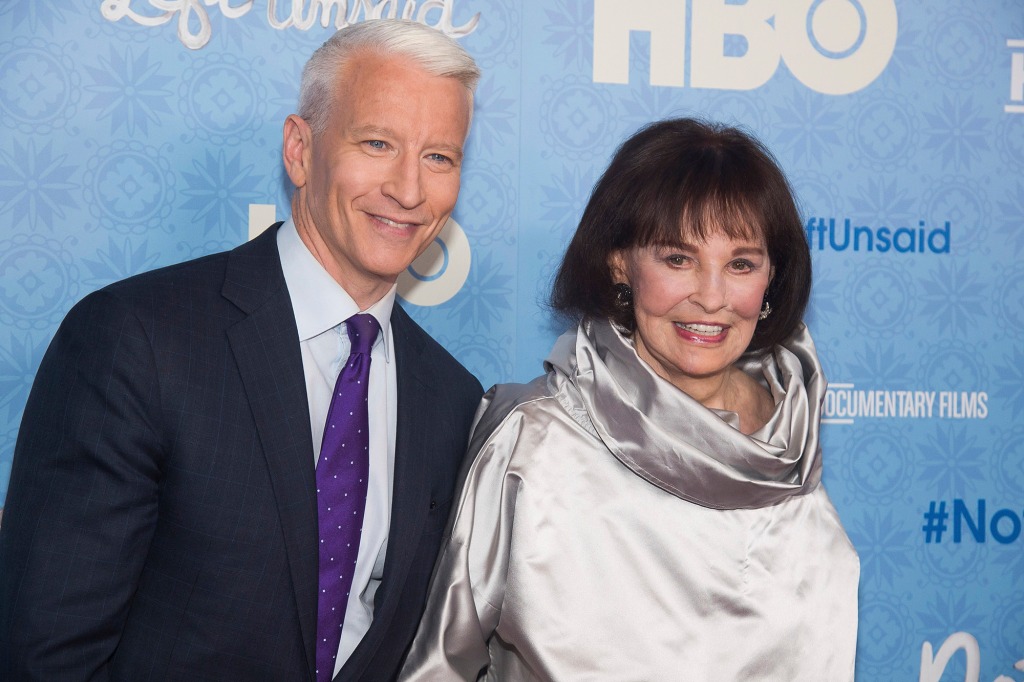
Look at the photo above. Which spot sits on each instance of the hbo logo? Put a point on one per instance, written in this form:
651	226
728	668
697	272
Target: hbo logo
832	46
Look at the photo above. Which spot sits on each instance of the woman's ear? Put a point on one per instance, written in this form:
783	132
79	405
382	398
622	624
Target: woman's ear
617	266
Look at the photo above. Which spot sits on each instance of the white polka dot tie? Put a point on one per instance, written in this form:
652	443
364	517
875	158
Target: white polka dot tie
341	490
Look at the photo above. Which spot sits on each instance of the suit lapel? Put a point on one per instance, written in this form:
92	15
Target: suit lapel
410	493
266	348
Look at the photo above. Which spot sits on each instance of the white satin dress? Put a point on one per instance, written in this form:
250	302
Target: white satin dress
612	528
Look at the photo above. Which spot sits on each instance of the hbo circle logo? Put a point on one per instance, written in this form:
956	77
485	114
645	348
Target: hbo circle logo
440	271
836	46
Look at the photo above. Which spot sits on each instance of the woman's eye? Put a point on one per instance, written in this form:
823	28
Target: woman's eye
742	265
675	260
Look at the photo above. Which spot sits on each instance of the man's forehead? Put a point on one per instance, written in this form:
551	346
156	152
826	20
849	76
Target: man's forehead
378	96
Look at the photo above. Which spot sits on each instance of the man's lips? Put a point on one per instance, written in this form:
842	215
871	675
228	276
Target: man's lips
396	223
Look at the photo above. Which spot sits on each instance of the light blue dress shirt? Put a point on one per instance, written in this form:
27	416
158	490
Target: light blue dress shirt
321	306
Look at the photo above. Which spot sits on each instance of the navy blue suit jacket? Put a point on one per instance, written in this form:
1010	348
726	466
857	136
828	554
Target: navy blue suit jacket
161	518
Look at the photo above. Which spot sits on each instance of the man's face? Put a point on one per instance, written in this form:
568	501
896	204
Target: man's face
378	184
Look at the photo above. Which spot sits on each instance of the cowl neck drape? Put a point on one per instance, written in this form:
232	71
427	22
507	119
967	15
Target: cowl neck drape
688	450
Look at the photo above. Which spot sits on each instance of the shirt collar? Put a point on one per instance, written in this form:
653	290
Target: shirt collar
319	302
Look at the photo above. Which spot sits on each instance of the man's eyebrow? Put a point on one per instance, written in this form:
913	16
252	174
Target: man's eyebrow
372	131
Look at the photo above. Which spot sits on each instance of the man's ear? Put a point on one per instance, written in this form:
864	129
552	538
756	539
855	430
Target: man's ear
297	149
617	266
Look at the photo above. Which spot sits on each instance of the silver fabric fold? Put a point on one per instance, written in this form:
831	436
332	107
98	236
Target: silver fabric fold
611	528
694	453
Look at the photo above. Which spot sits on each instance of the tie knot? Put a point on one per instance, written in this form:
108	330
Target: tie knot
362	332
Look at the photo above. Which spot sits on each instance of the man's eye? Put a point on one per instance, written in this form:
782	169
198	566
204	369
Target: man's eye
376	144
440	158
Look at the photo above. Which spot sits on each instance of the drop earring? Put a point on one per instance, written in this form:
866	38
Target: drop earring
623	295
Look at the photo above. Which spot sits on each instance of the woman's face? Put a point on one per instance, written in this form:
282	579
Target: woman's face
696	305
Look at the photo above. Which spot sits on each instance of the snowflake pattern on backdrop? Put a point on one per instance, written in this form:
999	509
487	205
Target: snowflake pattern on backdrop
36	185
130	91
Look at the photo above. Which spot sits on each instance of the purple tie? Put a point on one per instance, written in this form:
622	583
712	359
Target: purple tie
341	478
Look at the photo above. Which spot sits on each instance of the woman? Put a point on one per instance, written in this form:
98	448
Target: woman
650	509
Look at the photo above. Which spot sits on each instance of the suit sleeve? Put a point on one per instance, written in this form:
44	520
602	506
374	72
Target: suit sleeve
468	586
82	503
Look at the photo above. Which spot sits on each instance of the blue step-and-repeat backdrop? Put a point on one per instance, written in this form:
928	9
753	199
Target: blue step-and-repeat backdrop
138	133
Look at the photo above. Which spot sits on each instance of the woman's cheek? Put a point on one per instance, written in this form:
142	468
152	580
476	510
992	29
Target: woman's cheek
749	301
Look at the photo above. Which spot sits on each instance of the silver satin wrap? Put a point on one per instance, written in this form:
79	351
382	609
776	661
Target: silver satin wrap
612	528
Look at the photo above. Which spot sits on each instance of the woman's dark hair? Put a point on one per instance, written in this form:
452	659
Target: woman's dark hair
687	179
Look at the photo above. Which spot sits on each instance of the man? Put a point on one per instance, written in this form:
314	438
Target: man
162	517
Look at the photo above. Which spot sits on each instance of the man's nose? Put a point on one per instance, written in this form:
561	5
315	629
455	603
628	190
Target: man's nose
405	183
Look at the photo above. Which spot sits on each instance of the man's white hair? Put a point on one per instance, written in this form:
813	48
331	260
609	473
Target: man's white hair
432	50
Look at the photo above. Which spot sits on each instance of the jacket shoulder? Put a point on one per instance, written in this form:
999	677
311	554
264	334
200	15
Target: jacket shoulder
509	397
252	269
258	255
506	403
